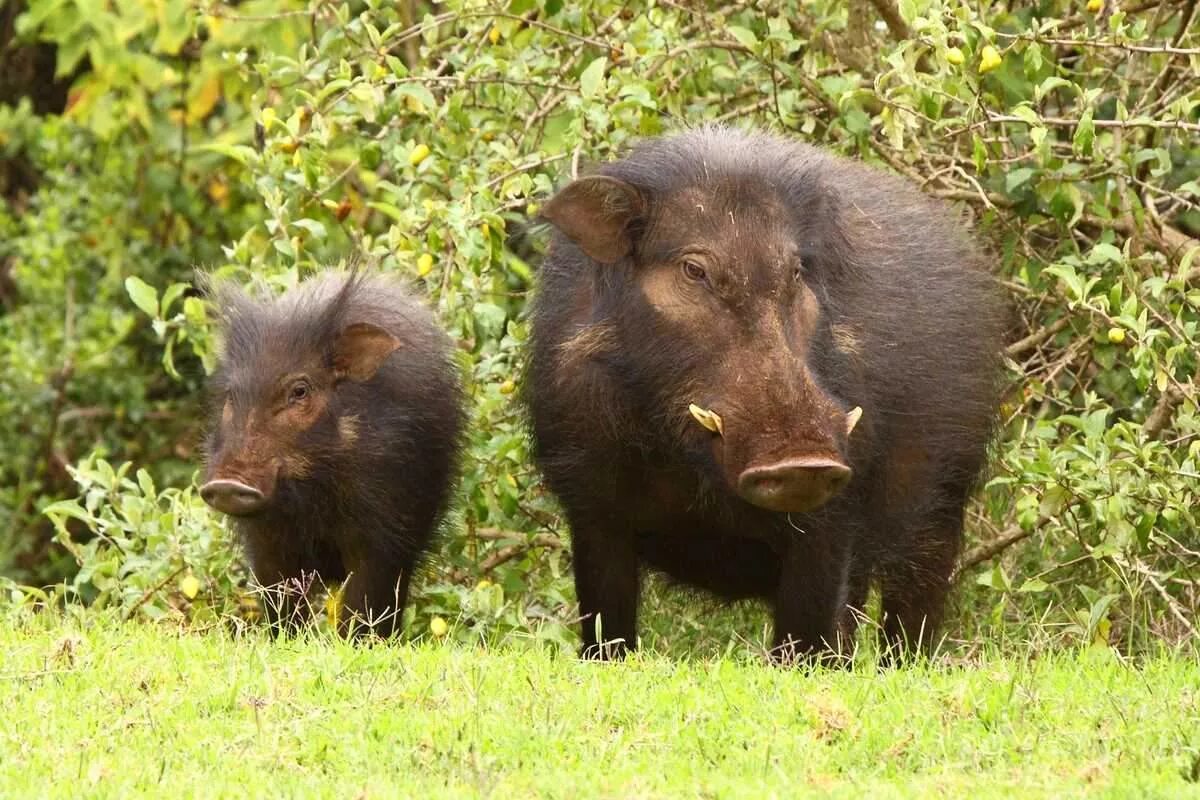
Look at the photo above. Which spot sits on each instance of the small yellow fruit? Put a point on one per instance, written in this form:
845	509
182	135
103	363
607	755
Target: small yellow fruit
438	627
508	387
989	59
268	118
418	154
190	586
218	191
486	230
494	35
424	265
484	583
532	209
1094	6
1116	335
954	56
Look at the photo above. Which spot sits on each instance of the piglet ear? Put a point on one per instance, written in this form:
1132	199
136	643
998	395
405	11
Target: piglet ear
595	213
360	350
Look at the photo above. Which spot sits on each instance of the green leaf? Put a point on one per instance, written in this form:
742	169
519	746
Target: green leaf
1017	178
312	226
745	36
1085	134
174	25
1026	113
171	294
590	80
1105	253
143	295
238	152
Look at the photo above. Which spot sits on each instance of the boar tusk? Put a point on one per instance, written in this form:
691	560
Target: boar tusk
709	419
852	419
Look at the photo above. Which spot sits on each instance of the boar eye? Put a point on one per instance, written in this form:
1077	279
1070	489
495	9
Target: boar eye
693	271
298	392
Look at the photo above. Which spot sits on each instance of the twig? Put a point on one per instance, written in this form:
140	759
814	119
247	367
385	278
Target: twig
891	15
1172	603
1101	43
337	178
1036	338
509	552
494	182
1163	410
153	590
505	554
986	552
1060	122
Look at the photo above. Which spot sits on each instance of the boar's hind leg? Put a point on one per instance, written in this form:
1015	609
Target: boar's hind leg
606	582
914	587
373	598
810	606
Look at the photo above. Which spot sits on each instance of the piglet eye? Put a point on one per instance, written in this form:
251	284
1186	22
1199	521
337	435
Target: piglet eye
298	392
693	271
797	273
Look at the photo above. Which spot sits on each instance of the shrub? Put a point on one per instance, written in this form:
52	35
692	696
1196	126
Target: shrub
424	138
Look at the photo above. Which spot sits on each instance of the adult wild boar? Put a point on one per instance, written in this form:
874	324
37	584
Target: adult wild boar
336	415
766	372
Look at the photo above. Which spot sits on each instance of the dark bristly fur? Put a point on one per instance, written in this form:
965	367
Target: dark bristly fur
358	473
826	285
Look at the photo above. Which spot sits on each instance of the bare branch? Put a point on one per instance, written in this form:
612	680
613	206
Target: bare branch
1164	410
891	15
1036	338
987	552
1102	43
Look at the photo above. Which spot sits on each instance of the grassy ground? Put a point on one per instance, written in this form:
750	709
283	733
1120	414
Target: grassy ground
96	708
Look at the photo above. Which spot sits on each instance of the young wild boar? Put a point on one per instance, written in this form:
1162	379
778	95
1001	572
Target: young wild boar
766	372
333	446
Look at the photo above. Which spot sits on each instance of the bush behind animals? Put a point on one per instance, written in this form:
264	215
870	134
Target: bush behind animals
262	143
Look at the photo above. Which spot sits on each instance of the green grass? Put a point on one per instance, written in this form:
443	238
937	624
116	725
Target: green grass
97	708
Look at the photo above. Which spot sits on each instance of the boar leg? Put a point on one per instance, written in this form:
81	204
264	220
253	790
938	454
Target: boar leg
810	605
287	580
373	598
914	589
606	582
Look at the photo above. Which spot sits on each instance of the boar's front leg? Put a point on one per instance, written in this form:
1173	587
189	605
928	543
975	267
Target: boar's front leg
287	580
606	583
374	596
810	605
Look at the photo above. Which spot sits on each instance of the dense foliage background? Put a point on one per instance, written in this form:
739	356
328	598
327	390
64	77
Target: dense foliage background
140	140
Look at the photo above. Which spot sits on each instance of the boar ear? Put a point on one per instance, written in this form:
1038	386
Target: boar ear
360	349
595	213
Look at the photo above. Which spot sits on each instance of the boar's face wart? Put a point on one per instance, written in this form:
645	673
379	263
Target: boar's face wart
722	308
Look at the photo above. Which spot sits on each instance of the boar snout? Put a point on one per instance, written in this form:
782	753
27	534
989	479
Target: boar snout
793	484
233	497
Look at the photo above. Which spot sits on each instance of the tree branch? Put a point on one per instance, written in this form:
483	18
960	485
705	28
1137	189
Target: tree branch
891	15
